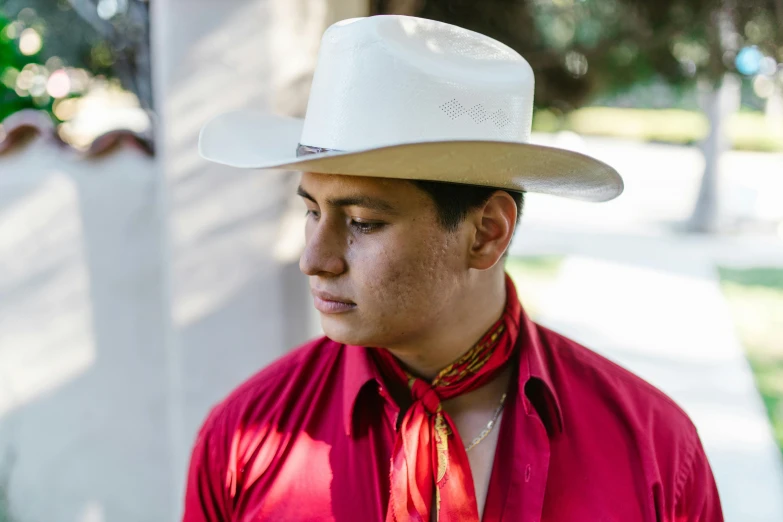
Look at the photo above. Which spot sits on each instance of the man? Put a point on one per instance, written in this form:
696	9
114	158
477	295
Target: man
433	396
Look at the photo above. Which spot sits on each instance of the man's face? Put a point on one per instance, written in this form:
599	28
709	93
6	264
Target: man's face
382	269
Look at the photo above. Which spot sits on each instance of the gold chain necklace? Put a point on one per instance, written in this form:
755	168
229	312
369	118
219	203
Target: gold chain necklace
490	425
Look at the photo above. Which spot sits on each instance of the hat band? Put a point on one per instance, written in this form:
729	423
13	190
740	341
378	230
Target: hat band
306	150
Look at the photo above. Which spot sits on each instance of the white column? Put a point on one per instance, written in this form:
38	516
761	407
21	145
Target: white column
236	299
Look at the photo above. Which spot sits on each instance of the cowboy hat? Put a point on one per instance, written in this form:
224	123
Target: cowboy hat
409	98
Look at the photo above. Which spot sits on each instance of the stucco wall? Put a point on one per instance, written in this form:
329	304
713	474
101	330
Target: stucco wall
135	292
82	355
237	297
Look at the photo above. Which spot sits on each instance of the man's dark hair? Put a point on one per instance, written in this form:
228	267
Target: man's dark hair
453	201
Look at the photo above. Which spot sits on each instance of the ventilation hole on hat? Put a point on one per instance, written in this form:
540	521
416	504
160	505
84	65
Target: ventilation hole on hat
499	118
453	109
478	113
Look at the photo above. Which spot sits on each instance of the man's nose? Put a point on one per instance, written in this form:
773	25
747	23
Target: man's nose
323	253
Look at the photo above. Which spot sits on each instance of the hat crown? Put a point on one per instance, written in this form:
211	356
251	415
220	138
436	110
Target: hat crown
394	79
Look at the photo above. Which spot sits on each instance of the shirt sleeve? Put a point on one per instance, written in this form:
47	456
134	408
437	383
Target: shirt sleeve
698	499
206	495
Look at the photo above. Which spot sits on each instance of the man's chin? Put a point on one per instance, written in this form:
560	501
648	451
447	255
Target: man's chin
344	332
343	338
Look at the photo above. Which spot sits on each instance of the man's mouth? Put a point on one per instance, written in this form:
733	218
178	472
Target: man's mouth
327	303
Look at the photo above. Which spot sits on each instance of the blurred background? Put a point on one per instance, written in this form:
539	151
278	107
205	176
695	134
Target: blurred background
139	284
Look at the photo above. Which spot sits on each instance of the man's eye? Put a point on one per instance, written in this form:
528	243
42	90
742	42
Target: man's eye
364	227
312	213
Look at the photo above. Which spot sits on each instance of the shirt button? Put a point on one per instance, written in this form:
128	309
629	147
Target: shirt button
527	473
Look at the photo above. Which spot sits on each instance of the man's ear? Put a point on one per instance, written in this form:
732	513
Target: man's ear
494	228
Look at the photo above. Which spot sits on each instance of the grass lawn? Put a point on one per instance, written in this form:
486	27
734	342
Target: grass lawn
746	130
533	277
756	299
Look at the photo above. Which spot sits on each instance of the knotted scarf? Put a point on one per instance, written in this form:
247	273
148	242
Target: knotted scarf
429	462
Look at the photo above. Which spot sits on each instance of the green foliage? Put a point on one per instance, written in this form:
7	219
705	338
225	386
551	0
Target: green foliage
12	63
580	49
68	35
82	36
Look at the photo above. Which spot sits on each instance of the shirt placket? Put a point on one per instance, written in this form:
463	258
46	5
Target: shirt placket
519	473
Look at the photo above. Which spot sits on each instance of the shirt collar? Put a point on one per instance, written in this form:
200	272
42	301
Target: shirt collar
534	367
359	370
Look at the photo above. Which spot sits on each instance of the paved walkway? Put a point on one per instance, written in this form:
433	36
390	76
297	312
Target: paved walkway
653	304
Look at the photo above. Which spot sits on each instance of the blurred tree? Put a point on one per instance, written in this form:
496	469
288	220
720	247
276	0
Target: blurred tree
122	46
105	37
580	49
13	63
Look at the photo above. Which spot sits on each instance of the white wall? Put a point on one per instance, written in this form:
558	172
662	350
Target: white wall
82	355
237	297
137	292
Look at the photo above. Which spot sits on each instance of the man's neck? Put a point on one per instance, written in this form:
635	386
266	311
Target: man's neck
465	323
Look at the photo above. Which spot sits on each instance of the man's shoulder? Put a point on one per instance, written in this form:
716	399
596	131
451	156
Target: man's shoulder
269	390
607	384
610	414
319	352
612	407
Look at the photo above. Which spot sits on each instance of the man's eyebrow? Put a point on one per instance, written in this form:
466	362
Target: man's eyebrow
302	192
352	201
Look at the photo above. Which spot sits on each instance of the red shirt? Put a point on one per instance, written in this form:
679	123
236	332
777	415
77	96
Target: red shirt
310	438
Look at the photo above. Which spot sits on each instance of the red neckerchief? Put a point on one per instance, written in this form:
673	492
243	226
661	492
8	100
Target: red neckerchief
429	460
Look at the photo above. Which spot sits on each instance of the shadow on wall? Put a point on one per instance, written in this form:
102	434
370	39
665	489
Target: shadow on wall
116	338
86	374
81	350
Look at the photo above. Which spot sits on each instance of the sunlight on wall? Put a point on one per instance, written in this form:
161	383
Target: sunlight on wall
45	312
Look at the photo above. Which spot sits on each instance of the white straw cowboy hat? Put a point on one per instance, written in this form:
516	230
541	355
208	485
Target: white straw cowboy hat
409	98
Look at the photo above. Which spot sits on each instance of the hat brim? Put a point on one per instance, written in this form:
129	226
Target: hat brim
257	140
